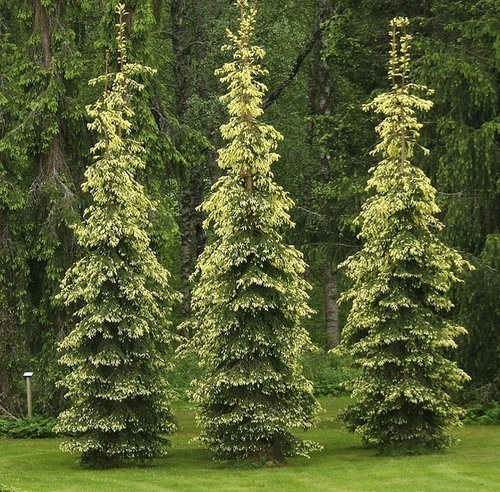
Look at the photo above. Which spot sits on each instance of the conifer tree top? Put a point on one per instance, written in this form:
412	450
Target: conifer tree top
107	110
400	129
252	143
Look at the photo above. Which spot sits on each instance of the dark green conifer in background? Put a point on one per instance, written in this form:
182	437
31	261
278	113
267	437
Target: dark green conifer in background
14	271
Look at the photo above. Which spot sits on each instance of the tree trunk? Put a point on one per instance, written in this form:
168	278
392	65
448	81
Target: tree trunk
53	174
186	43
42	21
181	86
330	291
186	252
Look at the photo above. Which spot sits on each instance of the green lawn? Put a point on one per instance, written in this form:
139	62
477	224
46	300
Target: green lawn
474	464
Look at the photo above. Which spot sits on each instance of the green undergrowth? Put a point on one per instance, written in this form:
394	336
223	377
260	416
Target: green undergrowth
343	465
483	413
27	428
326	371
185	370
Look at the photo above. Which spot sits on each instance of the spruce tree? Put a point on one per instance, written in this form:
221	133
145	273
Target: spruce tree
250	297
397	329
120	402
15	306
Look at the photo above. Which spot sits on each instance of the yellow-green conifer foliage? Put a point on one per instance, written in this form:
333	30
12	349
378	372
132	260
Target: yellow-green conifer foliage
251	297
120	401
397	330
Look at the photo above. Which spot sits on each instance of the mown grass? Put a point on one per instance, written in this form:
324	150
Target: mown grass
343	465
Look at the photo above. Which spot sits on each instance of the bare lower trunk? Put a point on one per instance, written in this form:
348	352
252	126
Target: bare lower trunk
200	236
186	19
320	100
181	85
186	253
330	290
193	236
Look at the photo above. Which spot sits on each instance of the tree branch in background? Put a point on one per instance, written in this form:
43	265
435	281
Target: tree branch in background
276	93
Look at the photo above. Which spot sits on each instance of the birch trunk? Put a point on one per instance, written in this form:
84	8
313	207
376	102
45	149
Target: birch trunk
331	294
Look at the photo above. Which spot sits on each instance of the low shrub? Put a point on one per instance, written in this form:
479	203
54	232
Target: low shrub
327	372
186	369
27	428
485	414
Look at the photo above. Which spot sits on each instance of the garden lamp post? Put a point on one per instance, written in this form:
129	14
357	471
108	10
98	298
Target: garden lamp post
27	376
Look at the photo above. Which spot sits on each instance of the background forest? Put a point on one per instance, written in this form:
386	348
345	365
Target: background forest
326	58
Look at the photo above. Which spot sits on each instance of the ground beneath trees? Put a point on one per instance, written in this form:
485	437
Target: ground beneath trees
472	465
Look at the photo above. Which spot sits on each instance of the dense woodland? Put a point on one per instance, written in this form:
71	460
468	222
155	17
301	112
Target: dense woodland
324	60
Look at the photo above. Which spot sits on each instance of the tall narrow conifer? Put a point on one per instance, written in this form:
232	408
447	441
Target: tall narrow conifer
251	297
120	402
397	330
